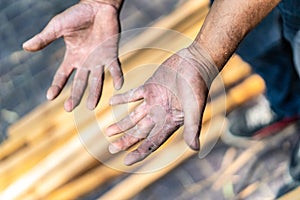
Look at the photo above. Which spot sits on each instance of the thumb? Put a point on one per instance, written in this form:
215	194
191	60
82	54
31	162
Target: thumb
44	38
193	106
192	127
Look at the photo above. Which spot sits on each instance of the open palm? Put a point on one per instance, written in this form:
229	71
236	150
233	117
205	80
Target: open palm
90	31
174	96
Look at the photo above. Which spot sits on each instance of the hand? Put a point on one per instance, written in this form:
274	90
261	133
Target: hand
90	31
174	96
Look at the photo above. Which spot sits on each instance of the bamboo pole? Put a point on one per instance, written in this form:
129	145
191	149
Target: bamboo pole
41	148
90	183
250	88
20	142
71	158
37	126
23	161
44	128
190	14
77	147
292	195
46	166
174	21
84	184
250	154
34	153
72	141
31	128
136	182
123	190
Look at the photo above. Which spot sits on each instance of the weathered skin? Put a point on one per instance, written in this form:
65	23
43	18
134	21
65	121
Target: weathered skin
227	23
85	28
173	96
185	89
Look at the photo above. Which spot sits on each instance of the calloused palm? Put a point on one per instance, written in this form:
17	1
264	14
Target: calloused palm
90	31
174	96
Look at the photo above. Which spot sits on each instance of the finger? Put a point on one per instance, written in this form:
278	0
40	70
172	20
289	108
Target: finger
134	135
192	114
59	80
116	73
50	33
155	139
192	126
130	96
129	121
78	88
95	87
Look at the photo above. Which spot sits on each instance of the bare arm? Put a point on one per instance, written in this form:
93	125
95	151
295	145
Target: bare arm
227	24
115	3
176	93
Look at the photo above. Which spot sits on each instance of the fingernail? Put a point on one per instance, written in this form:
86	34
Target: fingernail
50	94
128	161
68	106
113	149
195	145
111	102
90	106
131	158
109	132
119	84
26	45
53	92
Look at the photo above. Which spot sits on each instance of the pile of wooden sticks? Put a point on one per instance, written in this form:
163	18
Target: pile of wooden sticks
51	154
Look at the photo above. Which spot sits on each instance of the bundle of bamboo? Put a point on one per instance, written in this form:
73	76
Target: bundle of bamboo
45	156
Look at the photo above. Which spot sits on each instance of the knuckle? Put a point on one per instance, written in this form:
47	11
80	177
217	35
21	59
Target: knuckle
56	27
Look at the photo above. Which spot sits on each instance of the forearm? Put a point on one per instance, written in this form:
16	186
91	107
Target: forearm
227	24
115	3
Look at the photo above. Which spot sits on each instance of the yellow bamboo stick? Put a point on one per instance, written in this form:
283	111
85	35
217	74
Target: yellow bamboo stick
39	126
132	62
91	183
292	195
43	127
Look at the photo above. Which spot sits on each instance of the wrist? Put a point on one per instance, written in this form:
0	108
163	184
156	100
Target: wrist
205	64
115	3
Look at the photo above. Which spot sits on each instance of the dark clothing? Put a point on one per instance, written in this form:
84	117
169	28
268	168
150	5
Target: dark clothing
273	51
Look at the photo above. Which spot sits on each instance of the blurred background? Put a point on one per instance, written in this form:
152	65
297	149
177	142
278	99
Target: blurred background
41	156
25	77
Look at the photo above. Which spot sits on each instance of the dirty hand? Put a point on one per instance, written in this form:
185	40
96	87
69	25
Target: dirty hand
90	30
174	96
